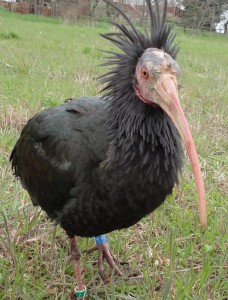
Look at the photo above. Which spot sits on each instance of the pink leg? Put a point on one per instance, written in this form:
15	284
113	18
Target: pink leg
75	256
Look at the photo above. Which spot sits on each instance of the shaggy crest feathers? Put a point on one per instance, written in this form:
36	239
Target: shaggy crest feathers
133	43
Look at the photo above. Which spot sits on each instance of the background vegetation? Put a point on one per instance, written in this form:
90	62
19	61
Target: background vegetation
43	62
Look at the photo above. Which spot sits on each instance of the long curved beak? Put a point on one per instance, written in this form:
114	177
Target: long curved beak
166	87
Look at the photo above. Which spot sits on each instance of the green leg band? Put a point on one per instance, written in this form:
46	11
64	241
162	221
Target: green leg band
81	294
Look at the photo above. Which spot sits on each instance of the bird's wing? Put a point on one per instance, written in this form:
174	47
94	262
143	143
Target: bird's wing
57	146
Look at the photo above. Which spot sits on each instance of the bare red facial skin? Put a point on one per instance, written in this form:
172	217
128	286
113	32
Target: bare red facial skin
137	92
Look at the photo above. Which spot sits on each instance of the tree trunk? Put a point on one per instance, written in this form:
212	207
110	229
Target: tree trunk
54	8
212	18
226	28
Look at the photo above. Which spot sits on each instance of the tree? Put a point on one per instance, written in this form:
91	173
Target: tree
202	14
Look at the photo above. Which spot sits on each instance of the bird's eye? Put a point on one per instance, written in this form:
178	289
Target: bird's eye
145	73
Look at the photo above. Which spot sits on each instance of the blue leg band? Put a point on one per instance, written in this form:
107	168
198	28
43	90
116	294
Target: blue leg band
100	239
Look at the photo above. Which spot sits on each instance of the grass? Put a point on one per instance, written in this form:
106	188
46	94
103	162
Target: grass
42	63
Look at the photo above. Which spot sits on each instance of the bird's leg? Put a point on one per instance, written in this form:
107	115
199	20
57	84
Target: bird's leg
104	251
81	291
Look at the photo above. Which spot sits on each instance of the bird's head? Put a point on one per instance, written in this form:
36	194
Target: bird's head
155	84
156	73
146	68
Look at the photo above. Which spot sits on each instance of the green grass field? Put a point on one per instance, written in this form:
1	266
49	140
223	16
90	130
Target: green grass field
44	61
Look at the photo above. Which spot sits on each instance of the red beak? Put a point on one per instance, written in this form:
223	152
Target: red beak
166	87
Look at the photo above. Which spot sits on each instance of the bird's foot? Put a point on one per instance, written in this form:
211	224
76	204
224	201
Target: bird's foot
104	251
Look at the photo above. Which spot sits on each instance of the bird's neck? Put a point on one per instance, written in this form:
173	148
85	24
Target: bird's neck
143	143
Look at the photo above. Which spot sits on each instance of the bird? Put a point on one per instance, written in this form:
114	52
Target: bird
97	164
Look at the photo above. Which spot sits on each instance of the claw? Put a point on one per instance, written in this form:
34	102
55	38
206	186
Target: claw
105	252
111	260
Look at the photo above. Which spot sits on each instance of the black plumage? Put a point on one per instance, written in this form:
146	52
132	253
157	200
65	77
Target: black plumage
94	176
97	164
